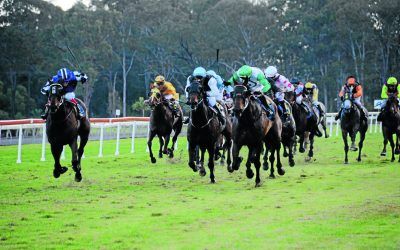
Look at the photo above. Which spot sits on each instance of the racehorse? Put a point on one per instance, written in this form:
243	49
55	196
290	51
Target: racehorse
351	123
250	128
63	127
204	130
306	124
162	122
289	138
391	125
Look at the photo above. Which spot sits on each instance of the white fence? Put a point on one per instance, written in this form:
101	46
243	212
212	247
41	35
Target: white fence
35	133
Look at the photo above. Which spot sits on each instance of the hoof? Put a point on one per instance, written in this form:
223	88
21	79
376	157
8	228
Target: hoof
160	154
249	173
392	160
326	136
202	172
78	177
153	160
258	184
212	182
193	167
353	148
308	159
63	170
230	169
302	150
292	163
56	173
346	162
359	159
281	171
265	166
272	176
285	154
170	153
383	154
217	156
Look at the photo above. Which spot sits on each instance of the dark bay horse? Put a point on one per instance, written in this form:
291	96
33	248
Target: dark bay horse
204	130
351	123
250	128
162	122
306	124
391	126
63	128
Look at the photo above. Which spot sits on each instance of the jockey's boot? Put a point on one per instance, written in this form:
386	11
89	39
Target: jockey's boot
221	116
81	112
175	109
337	117
363	114
186	120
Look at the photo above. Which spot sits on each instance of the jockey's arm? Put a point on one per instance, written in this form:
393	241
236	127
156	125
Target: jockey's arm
342	91
384	94
214	92
266	85
359	92
315	93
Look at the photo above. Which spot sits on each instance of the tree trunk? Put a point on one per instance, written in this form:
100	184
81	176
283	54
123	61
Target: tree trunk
124	83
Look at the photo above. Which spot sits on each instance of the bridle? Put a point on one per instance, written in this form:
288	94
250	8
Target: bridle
195	88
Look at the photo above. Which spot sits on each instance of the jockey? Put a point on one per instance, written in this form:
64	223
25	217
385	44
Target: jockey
351	81
212	92
311	90
220	83
392	87
168	91
255	80
283	85
68	79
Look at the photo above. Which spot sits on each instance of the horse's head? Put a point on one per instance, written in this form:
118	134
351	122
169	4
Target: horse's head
348	105
240	100
155	97
55	97
195	91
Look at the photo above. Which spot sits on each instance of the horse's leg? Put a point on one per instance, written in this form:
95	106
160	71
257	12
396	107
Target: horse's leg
56	150
353	146
324	126
202	170
192	156
257	165
211	151
390	138
228	148
177	131
272	161
236	159
166	142
265	159
295	145
291	154
385	142
281	170
397	151
346	146
149	144
311	150
285	153
250	159
160	152
75	162
301	142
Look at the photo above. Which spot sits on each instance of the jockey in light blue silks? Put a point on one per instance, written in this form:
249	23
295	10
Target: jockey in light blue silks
213	93
68	79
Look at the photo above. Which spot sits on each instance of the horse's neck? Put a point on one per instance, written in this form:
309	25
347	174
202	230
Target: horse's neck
63	111
252	113
160	112
200	114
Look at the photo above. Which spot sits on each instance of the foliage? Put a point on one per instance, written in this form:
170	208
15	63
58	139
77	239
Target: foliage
122	45
140	106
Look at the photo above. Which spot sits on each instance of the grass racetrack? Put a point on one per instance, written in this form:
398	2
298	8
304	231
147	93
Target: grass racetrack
127	202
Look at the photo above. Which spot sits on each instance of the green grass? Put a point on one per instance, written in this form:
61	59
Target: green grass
126	202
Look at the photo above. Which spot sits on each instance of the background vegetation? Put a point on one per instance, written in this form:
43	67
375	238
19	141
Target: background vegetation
123	44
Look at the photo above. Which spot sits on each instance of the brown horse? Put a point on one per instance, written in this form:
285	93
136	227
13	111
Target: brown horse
204	130
250	128
63	128
162	122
